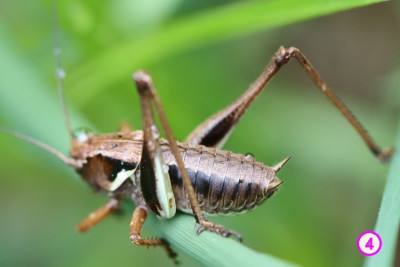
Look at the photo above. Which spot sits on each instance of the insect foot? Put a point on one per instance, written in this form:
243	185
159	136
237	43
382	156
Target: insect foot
218	229
171	253
385	155
136	239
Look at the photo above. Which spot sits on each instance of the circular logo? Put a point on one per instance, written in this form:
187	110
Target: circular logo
369	243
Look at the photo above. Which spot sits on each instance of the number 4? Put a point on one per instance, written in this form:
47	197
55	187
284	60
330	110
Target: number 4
369	244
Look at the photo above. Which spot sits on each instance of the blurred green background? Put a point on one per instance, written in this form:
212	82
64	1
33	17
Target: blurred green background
333	185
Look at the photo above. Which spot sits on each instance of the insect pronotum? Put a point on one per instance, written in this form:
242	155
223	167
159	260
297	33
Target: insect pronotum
195	176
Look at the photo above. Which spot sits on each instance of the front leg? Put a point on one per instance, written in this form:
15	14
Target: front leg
147	94
98	215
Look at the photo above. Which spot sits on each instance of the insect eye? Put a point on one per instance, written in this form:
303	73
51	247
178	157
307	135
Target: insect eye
82	134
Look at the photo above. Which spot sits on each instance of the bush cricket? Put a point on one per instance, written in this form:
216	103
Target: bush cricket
194	176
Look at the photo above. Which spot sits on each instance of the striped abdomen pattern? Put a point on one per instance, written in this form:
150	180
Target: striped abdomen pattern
224	182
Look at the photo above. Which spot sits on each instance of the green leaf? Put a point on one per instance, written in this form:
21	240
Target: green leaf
193	31
208	248
387	225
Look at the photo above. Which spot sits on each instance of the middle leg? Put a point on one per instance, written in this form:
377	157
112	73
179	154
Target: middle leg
138	218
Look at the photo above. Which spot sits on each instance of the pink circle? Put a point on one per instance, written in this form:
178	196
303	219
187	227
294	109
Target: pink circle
362	251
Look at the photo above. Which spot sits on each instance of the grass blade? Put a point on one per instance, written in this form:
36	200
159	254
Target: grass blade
208	248
387	225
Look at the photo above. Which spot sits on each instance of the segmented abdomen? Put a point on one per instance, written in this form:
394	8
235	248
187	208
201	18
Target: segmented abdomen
224	182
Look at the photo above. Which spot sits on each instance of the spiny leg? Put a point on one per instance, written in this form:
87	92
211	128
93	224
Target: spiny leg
138	218
216	129
98	215
147	93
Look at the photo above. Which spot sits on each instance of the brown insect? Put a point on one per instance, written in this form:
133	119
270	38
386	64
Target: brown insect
194	176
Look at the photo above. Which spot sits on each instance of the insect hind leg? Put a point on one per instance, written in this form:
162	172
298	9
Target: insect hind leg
216	129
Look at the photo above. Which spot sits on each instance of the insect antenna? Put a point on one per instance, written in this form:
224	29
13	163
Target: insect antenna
60	73
69	161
